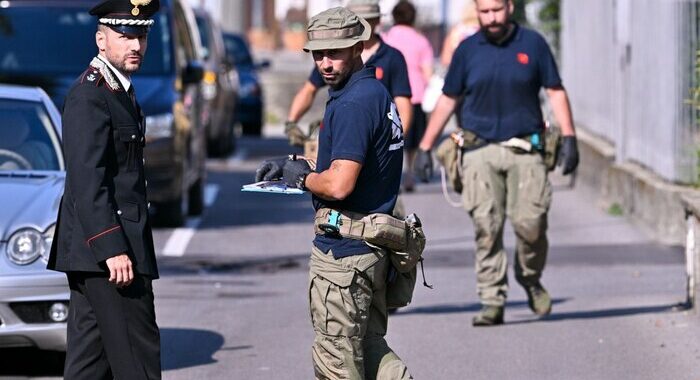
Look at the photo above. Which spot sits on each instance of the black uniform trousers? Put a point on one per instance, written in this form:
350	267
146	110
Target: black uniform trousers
112	332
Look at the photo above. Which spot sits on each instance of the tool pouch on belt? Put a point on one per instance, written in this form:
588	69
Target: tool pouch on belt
399	288
552	142
449	155
404	239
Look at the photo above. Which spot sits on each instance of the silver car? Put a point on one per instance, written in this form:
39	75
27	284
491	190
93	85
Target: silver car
33	300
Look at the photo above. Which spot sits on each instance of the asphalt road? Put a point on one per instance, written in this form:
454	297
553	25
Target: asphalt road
232	304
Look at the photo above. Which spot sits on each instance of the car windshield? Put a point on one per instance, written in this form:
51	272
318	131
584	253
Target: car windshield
203	34
237	49
28	139
61	41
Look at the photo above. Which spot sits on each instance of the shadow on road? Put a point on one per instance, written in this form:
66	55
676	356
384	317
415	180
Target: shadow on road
183	348
463	308
604	313
555	316
593	255
204	264
31	362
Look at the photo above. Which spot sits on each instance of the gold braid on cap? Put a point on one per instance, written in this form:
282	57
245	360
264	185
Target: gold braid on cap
354	31
137	4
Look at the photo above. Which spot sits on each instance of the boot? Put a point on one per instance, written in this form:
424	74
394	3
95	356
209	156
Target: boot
489	316
538	299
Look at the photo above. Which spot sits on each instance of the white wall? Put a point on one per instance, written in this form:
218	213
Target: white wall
622	64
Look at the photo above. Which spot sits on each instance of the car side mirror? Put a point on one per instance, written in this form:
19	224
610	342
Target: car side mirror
193	73
264	64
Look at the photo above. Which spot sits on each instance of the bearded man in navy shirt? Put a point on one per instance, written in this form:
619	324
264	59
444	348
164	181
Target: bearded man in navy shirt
500	71
358	172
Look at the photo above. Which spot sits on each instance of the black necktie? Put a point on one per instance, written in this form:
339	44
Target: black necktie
132	96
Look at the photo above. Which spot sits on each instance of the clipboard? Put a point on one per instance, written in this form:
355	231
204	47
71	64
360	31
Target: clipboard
276	187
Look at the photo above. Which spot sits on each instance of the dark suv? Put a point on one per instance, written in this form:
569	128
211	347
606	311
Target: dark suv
250	108
49	43
220	86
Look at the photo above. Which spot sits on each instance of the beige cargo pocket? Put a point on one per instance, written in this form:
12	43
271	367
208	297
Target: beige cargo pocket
535	191
476	189
339	310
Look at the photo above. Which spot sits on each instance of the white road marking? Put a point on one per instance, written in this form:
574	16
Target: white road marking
180	238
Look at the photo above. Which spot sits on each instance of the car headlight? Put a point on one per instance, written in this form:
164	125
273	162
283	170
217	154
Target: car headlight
159	126
25	246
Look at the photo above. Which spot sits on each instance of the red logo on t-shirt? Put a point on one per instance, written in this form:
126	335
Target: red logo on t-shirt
379	73
523	58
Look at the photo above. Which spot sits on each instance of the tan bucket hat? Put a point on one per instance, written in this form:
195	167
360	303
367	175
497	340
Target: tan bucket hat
367	9
336	28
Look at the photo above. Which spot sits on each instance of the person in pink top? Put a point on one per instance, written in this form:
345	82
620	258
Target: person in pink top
418	53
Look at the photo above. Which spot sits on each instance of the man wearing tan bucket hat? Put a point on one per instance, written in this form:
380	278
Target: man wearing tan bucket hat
390	65
358	172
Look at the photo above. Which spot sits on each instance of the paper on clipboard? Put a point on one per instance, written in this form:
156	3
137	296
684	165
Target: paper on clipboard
271	187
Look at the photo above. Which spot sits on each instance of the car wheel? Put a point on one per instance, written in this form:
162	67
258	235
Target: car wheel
253	128
222	146
196	198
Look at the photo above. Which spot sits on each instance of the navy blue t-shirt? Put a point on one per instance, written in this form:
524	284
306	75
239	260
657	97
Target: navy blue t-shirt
361	124
501	83
391	70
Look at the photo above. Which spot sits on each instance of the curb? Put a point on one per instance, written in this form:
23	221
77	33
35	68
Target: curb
645	198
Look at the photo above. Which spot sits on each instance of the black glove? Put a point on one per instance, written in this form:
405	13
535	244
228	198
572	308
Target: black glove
423	165
295	172
568	155
270	169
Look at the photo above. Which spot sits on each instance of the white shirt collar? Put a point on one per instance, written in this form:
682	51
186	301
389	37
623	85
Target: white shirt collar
125	82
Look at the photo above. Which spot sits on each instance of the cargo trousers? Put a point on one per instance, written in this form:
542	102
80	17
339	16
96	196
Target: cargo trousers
500	182
347	299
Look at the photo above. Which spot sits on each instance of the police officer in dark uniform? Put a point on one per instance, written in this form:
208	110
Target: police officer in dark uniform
103	237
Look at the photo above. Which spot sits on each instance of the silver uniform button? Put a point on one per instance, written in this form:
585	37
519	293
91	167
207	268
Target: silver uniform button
144	161
133	137
146	182
149	205
119	212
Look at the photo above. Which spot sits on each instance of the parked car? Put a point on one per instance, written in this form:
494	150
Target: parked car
220	86
250	109
33	300
49	43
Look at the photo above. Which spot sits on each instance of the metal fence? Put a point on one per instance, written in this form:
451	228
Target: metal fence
628	66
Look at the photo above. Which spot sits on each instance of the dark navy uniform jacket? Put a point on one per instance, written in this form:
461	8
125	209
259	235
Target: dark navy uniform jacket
104	210
361	124
501	83
390	69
